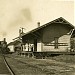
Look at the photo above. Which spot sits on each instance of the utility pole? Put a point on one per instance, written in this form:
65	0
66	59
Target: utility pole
21	32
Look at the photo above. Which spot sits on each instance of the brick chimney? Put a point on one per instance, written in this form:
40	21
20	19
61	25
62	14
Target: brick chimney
38	23
4	40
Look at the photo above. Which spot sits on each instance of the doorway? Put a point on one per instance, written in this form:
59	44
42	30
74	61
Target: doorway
35	45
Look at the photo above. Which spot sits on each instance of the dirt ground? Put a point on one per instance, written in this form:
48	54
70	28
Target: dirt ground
31	66
3	69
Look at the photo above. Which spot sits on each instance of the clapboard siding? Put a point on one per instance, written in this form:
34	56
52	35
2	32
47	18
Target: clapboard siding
56	30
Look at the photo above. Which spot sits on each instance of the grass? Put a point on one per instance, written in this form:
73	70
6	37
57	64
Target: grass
65	58
29	66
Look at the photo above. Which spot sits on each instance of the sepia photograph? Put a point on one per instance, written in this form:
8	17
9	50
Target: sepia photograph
37	37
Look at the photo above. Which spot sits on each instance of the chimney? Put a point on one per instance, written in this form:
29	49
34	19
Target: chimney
4	40
19	32
38	23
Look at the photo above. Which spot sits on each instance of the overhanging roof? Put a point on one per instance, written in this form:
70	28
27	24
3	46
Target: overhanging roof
14	42
58	20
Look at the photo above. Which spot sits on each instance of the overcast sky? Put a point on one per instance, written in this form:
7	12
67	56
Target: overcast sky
26	13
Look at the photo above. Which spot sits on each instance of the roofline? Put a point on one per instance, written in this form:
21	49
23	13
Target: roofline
16	38
68	22
48	24
13	42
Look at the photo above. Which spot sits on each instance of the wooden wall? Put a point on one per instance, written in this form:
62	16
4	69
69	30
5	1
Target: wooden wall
51	32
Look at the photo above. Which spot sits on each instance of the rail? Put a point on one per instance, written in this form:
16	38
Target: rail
7	65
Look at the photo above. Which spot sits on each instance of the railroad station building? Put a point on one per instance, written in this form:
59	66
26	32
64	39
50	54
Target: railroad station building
53	36
14	46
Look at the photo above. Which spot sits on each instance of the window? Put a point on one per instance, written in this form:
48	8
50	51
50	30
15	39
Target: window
56	42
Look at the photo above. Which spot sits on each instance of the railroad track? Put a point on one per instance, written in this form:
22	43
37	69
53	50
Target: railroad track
8	68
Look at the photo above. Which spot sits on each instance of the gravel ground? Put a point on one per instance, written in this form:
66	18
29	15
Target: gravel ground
29	66
3	69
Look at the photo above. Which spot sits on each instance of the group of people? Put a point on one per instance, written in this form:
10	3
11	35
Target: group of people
28	47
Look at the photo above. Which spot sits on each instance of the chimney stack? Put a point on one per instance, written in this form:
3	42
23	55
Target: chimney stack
38	23
4	40
19	32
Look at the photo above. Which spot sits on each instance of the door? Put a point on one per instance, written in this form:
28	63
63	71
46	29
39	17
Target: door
35	45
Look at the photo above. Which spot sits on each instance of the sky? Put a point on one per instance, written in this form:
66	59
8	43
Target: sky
26	13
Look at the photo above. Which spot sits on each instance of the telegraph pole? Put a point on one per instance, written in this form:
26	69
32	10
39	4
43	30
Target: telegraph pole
21	32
